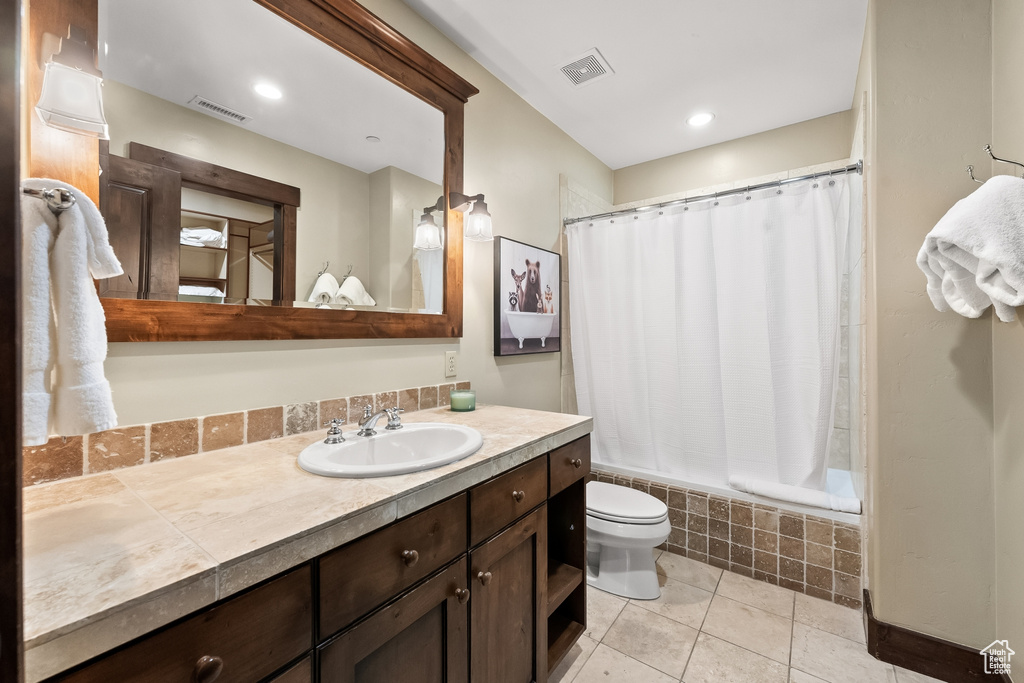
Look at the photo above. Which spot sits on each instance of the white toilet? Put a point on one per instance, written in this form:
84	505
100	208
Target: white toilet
623	527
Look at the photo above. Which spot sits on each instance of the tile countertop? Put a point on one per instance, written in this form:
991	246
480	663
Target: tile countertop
111	556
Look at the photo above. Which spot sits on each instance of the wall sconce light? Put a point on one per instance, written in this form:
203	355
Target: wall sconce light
71	98
478	222
428	234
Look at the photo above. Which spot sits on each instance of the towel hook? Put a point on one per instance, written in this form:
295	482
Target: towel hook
347	273
970	172
58	199
327	264
988	148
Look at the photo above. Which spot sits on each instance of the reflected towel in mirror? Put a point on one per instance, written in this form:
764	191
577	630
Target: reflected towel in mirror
324	290
352	293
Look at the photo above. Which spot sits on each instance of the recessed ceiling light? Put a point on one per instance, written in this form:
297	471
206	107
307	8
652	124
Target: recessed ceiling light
267	90
701	119
372	138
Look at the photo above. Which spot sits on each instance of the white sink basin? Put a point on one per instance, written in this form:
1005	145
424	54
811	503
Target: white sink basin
415	447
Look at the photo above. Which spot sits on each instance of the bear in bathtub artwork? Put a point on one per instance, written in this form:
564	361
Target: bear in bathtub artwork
527	286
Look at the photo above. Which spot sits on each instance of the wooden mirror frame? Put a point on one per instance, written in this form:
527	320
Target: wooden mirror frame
353	30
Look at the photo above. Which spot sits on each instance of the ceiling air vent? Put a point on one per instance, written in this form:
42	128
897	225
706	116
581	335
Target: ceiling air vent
587	68
218	109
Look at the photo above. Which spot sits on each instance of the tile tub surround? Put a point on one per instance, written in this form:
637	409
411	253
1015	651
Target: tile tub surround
62	458
801	552
113	555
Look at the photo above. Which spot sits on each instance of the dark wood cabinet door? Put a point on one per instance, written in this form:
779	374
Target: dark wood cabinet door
508	610
141	204
421	637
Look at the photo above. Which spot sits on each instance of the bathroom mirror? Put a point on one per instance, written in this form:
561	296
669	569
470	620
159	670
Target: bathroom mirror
282	151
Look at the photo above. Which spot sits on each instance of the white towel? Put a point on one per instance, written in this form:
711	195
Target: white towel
352	293
203	237
324	290
796	494
64	332
198	290
974	256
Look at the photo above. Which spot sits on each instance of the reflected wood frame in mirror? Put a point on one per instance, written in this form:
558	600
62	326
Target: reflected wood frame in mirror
355	31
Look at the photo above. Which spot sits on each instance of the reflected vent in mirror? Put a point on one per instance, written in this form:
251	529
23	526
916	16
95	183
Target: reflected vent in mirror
588	68
219	109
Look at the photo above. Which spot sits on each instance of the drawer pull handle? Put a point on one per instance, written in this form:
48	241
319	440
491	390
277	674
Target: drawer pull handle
410	557
577	463
207	669
462	595
518	496
485	578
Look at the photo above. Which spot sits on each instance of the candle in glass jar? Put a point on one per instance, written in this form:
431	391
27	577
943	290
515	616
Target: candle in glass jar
463	400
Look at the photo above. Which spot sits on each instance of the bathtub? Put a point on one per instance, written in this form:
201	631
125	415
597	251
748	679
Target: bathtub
839	483
530	325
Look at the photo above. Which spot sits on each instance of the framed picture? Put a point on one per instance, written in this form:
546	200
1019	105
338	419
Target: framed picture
527	299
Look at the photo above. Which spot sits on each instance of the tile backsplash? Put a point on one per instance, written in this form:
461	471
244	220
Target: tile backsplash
62	458
806	553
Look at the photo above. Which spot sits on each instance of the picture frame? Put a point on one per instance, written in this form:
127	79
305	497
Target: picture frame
527	299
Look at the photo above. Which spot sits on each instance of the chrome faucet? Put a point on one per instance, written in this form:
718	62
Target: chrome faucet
369	421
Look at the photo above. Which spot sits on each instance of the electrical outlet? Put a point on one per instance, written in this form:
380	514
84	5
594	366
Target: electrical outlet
451	364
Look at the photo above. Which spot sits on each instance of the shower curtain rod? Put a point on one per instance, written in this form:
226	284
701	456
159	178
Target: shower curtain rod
858	167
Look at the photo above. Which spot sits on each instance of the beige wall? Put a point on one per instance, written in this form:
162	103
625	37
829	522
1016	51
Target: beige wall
1008	339
332	222
802	144
929	374
513	155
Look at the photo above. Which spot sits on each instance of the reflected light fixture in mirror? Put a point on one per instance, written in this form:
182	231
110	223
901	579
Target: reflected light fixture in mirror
428	233
71	97
478	221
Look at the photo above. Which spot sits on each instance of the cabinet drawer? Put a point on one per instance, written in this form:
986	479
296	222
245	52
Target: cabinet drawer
569	463
364	574
251	636
499	502
300	673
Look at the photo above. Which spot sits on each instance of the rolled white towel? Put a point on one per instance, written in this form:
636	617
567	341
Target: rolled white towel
324	289
974	256
796	494
352	293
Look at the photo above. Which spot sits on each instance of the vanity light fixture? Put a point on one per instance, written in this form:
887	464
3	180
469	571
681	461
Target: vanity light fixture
478	221
428	234
700	119
267	90
71	98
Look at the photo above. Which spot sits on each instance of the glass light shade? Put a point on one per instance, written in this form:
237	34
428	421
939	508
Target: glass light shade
478	223
72	100
428	234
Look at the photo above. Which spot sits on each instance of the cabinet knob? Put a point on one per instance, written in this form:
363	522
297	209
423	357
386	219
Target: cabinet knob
410	557
518	496
207	669
462	595
485	578
577	463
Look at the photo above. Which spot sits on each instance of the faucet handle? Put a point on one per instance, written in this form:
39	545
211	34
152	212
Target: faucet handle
367	411
394	422
334	433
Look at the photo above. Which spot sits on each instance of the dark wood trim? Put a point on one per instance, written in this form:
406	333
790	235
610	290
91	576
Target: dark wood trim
366	38
11	662
354	30
202	175
924	654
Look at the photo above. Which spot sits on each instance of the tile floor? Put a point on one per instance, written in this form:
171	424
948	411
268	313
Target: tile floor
711	626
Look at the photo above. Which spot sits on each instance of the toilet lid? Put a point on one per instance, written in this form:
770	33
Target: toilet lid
624	505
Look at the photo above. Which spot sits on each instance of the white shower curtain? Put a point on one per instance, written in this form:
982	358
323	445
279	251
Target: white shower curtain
705	338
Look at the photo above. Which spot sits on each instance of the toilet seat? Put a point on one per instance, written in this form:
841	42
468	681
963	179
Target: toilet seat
624	505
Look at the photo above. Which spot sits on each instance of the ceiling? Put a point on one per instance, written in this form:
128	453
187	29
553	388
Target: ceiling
220	50
756	64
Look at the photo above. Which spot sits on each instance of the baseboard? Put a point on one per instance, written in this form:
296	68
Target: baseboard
924	654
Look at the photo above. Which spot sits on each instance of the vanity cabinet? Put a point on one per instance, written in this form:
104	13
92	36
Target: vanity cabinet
484	587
